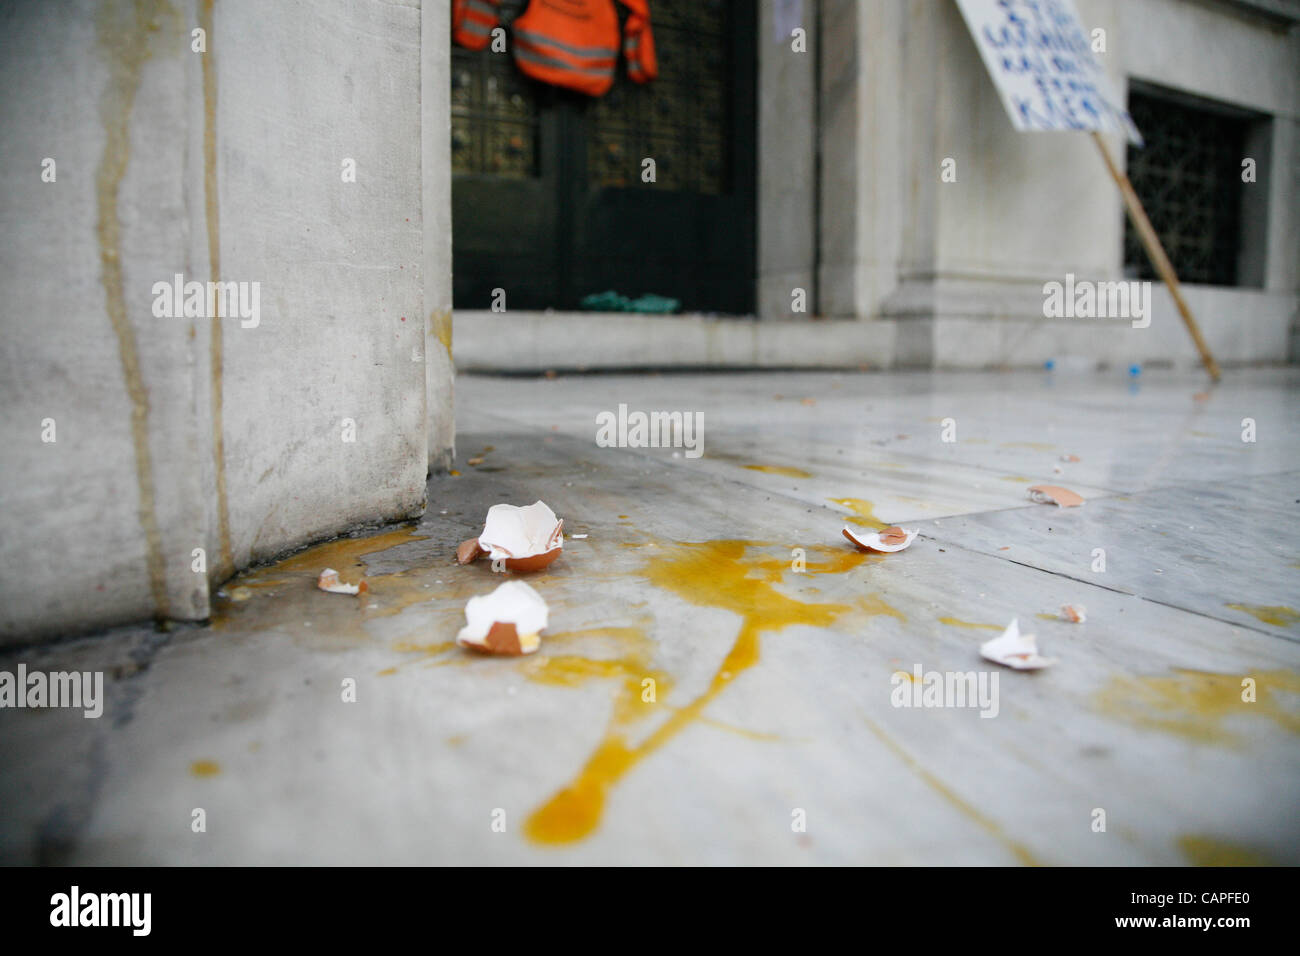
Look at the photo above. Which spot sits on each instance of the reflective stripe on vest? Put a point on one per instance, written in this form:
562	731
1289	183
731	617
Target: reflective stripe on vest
639	42
568	43
527	53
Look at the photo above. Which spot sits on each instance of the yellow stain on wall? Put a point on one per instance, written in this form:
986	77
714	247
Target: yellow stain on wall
128	37
440	327
225	563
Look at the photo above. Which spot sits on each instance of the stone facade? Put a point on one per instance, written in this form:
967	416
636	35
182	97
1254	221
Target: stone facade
174	435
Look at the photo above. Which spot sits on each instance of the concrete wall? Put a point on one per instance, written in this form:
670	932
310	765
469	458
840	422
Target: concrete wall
95	525
1225	53
181	433
787	163
435	97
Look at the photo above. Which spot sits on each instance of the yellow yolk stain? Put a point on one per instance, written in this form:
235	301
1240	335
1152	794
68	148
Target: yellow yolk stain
1276	614
732	575
1211	851
1017	849
1031	445
739	731
863	511
205	768
335	622
426	652
780	470
641	684
874	605
958	622
1194	704
341	553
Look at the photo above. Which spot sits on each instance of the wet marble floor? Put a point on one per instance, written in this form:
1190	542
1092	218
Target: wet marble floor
723	674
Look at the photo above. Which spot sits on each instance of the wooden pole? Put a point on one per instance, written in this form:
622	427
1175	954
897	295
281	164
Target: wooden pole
1157	253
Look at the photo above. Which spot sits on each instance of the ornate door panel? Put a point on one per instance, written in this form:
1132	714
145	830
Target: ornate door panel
505	190
549	201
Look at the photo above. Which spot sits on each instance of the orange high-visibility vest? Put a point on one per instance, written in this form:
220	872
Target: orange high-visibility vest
569	43
639	42
472	22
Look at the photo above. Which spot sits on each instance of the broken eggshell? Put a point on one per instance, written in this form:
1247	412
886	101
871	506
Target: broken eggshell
1074	613
1052	494
1013	649
468	551
507	621
527	539
329	581
886	540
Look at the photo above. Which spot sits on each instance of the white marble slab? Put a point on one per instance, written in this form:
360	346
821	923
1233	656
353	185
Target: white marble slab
1141	716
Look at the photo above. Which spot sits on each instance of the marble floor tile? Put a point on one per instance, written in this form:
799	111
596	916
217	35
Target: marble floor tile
780	658
1228	550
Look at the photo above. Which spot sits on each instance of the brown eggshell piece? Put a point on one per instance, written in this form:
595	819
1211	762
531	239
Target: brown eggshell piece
856	543
468	551
1062	496
534	562
893	535
503	639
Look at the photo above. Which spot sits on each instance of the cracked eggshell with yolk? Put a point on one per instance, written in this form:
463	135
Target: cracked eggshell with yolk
507	621
527	539
887	540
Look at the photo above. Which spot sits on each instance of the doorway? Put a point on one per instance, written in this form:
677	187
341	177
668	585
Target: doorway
549	203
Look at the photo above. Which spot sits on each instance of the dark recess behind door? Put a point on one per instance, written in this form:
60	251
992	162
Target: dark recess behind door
548	201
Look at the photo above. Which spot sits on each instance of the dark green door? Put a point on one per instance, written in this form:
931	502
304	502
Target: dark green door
549	203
